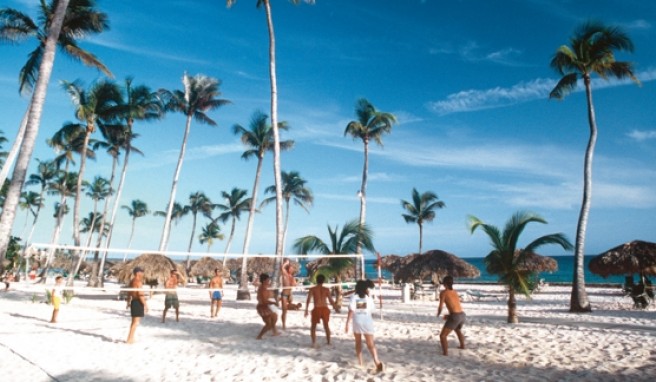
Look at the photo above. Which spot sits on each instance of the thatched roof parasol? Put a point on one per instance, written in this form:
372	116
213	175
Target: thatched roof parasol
324	262
157	268
436	264
393	263
255	265
626	259
205	267
538	263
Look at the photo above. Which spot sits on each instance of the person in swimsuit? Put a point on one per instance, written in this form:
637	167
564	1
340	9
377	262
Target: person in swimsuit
138	306
360	310
266	306
56	297
216	293
288	282
171	299
456	317
320	312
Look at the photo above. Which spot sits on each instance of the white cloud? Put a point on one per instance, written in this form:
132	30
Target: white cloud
642	135
139	50
638	24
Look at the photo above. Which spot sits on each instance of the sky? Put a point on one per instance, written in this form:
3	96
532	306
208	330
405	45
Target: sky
468	81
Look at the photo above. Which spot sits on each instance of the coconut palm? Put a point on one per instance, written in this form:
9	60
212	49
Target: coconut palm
370	125
136	210
198	202
293	188
421	209
62	22
259	139
210	232
506	261
591	51
138	103
64	186
31	202
46	172
97	190
198	97
236	203
277	144
343	242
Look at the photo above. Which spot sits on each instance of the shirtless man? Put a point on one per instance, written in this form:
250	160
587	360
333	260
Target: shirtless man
288	282
266	306
216	293
456	317
320	312
171	299
138	306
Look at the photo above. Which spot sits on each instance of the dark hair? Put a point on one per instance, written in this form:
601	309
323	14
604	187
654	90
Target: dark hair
264	277
320	279
448	281
370	284
361	288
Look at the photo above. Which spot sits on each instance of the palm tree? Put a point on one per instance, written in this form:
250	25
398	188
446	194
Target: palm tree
90	106
592	50
97	190
198	97
198	202
136	210
177	212
210	232
259	139
277	144
371	124
63	185
420	210
236	203
139	103
62	23
46	172
342	242
31	202
503	260
293	188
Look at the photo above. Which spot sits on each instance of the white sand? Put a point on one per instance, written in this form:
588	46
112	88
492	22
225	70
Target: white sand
614	343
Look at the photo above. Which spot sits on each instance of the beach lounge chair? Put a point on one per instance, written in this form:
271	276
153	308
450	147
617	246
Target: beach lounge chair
478	295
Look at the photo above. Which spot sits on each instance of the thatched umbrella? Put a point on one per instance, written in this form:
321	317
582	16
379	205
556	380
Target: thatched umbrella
157	268
205	266
393	263
314	265
436	264
626	259
538	263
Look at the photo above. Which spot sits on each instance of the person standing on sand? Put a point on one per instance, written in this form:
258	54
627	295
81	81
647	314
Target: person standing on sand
56	297
288	282
360	310
320	312
216	293
137	298
456	317
171	299
266	306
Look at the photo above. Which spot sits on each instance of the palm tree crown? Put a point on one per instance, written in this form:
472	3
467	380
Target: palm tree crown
421	209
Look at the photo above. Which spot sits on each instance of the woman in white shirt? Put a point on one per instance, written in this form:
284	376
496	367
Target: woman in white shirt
360	310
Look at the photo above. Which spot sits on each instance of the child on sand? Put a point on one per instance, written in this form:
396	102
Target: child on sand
360	309
56	297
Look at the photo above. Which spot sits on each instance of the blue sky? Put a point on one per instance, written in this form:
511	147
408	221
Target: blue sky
468	81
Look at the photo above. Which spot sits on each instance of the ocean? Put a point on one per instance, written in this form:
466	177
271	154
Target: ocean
564	274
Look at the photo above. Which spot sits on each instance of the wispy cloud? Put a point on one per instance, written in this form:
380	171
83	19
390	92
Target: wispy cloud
139	50
640	24
474	100
168	157
642	135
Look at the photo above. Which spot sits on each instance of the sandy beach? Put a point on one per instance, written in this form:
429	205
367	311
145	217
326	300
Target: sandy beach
614	343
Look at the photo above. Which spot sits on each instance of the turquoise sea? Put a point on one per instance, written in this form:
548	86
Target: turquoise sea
564	274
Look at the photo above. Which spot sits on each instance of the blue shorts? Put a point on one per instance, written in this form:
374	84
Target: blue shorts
216	295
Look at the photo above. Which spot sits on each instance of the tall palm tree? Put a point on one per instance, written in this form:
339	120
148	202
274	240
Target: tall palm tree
177	213
503	260
97	190
293	188
421	209
591	51
343	242
139	103
259	139
46	172
198	202
53	31
198	97
236	203
210	232
136	210
31	202
64	186
371	124
277	144
90	106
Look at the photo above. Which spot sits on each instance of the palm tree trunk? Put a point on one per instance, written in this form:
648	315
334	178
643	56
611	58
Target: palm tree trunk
11	156
176	176
242	292
579	299
103	221
276	132
278	263
359	265
134	221
31	130
78	187
421	237
191	243
232	234
512	306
